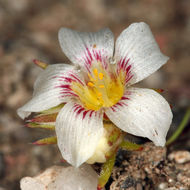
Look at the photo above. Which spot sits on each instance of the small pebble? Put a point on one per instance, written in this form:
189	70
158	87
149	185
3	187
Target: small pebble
184	179
180	157
139	186
64	178
170	180
183	188
163	186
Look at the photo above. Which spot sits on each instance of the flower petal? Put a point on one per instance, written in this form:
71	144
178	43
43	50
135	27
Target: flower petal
84	47
142	112
137	48
50	89
78	132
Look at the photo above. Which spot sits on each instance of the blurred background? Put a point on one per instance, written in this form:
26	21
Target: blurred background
28	30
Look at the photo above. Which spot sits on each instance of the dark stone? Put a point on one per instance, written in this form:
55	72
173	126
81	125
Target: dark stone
129	182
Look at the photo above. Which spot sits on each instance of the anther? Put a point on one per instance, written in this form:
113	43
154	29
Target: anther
95	72
90	84
90	77
101	76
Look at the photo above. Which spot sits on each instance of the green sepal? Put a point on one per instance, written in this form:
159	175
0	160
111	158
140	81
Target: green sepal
55	109
46	141
114	133
126	145
43	126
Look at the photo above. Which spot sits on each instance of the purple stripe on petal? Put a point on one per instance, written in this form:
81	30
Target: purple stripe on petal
84	114
94	55
67	86
78	109
124	98
113	109
122	102
89	53
91	112
128	68
97	55
88	58
123	64
76	78
67	79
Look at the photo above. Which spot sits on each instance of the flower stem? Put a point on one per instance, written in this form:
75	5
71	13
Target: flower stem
106	171
180	128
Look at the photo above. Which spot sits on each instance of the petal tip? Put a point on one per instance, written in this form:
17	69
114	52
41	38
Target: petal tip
22	114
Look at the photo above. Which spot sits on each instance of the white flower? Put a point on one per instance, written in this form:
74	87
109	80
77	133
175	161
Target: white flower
62	178
99	84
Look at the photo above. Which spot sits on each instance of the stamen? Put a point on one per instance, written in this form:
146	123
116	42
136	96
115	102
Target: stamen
95	72
90	77
90	84
104	87
101	76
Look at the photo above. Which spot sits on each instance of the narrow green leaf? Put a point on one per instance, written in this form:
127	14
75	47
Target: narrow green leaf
180	128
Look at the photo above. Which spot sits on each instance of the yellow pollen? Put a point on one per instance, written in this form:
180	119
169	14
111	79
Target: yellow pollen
103	88
101	76
90	84
95	72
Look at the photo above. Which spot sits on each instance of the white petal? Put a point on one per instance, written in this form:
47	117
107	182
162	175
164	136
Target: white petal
78	132
142	112
49	89
137	48
83	47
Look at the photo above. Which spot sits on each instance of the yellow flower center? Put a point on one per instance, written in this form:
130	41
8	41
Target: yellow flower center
104	87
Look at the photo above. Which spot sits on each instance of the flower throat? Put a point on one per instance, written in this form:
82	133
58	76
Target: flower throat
103	87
